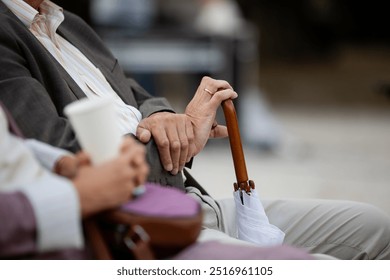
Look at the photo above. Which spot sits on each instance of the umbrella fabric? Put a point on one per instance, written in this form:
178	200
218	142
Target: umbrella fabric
252	222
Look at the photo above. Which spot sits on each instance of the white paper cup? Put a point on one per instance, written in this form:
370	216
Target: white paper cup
94	123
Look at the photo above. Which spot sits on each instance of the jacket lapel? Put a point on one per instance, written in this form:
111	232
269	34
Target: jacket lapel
82	46
77	91
73	86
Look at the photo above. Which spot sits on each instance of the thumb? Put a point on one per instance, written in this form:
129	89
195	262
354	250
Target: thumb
219	131
143	134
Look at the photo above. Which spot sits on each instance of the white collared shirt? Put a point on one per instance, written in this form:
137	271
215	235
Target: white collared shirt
43	25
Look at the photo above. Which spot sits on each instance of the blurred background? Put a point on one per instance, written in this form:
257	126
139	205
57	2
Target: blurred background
313	78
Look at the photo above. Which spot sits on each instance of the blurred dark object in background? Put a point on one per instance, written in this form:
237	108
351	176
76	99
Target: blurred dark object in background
310	52
288	28
79	7
299	28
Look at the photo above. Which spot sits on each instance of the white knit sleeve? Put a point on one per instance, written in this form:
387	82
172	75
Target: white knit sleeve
57	212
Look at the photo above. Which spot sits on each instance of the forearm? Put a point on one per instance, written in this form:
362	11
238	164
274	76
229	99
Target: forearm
28	96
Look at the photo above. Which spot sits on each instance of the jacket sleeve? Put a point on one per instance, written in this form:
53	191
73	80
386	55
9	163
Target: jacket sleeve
27	98
148	104
56	207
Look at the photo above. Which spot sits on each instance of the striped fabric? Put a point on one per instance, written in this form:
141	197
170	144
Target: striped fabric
43	24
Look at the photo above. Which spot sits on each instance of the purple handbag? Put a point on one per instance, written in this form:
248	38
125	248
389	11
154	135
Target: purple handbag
157	224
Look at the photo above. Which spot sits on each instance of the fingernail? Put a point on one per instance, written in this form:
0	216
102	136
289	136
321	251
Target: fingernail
169	167
174	171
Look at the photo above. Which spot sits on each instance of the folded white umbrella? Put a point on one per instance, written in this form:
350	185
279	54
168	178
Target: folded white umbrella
252	222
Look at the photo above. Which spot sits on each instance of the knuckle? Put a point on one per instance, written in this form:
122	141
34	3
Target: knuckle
206	79
164	143
175	145
184	144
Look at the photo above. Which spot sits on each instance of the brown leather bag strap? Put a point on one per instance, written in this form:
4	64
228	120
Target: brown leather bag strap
96	240
236	147
135	239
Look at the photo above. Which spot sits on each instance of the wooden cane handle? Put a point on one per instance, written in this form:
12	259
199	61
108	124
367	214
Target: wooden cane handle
236	146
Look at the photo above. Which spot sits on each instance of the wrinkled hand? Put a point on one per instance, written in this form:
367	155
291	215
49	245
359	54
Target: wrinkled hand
179	137
111	184
203	107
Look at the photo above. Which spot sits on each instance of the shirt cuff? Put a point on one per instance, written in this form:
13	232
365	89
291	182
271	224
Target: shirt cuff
46	154
57	212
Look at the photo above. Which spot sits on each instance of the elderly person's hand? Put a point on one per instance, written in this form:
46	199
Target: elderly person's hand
109	184
69	165
179	137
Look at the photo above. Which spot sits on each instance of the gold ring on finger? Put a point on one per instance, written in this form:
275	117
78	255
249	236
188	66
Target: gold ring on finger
209	91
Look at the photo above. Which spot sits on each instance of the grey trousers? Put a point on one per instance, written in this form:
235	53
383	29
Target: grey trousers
338	229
